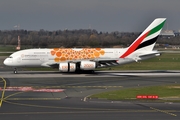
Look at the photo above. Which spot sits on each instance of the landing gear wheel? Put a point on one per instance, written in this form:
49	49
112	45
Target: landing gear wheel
92	71
15	71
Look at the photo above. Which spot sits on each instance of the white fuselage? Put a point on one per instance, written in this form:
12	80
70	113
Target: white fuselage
47	57
38	57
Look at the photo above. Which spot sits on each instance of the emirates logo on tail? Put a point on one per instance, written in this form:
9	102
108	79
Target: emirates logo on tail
147	38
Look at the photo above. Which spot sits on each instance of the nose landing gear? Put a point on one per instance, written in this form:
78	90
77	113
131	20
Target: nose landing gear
15	71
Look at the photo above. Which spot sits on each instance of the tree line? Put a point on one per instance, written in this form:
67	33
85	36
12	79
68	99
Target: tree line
75	38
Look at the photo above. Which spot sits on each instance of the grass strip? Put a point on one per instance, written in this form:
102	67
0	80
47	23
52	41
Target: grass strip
165	92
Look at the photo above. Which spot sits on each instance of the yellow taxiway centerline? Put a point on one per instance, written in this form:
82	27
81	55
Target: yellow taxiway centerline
2	95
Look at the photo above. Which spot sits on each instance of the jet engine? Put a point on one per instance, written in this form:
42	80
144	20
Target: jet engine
87	65
67	67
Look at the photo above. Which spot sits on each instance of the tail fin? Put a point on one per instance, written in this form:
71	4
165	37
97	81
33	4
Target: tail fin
147	39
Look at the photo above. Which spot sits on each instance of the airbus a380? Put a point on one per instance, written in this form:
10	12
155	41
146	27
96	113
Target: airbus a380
80	59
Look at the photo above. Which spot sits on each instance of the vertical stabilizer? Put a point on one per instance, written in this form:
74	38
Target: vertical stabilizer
147	40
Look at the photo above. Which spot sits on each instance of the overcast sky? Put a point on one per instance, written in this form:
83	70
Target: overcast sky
102	15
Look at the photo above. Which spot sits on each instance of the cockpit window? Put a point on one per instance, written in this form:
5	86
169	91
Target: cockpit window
10	57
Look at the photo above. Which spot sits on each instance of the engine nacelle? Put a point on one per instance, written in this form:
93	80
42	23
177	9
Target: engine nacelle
67	67
87	65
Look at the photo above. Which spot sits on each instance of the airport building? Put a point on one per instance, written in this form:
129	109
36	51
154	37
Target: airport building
167	33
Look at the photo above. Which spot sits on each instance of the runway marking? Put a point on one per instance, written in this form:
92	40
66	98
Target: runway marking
71	108
95	110
91	86
12	95
158	110
29	89
3	91
59	107
75	112
70	112
163	111
33	99
85	110
39	87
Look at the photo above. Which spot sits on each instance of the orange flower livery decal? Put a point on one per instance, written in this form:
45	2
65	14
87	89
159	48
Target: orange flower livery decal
70	54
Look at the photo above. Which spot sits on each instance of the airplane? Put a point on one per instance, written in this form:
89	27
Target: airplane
88	59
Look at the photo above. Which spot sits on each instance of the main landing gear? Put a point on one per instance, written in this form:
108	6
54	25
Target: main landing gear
15	71
85	71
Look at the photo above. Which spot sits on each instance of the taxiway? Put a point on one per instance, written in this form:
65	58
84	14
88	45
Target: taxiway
72	102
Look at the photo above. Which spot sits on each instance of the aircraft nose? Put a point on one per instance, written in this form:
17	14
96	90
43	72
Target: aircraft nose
6	62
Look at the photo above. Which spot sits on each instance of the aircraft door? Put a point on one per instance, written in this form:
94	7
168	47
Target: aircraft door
115	52
19	59
43	58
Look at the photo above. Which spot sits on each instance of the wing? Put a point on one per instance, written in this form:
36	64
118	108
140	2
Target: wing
100	62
